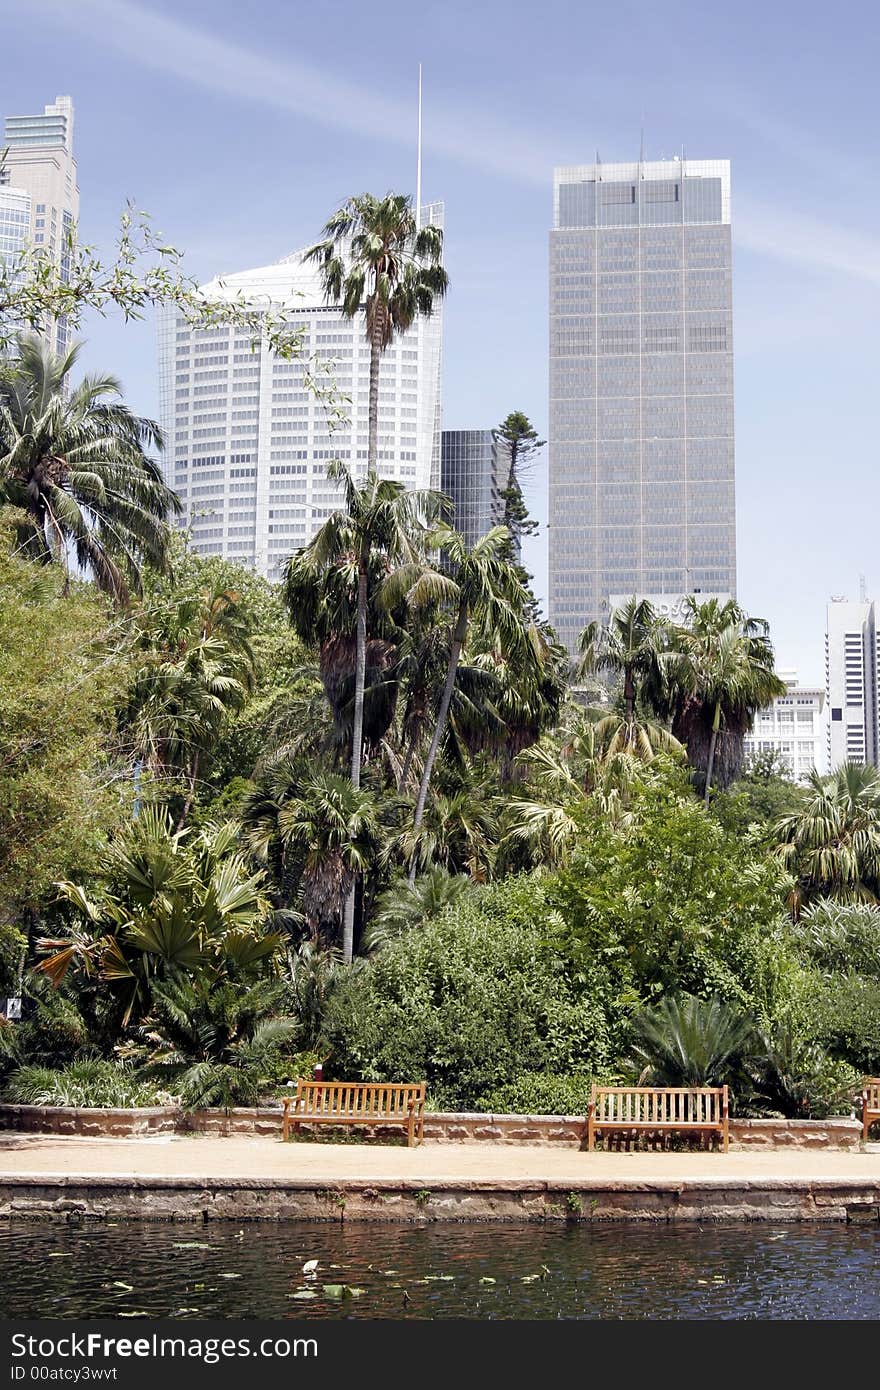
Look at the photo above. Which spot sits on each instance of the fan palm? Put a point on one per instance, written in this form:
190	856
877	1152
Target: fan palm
832	843
632	646
76	463
178	903
406	905
721	673
326	828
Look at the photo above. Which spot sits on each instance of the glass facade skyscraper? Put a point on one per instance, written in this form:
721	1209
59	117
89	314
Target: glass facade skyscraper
474	469
641	446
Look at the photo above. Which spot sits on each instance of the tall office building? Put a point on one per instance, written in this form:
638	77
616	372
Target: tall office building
474	473
641	462
791	727
247	443
39	197
851	682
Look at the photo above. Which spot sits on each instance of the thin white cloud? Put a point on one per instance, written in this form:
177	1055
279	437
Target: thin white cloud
805	241
155	40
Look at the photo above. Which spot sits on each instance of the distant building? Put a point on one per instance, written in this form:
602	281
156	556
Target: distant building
473	473
793	728
247	443
851	682
39	197
641	456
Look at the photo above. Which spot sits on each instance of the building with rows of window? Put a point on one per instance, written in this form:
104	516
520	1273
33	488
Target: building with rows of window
851	682
793	727
39	196
247	441
474	473
641	440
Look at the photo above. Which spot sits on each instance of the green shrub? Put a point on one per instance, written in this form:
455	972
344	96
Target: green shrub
473	1000
795	1078
672	903
841	938
97	1083
540	1093
846	1021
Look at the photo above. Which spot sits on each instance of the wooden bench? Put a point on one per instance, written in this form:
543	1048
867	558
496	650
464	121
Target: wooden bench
688	1109
870	1104
357	1103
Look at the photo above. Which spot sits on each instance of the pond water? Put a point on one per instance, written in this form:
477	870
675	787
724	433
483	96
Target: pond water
481	1271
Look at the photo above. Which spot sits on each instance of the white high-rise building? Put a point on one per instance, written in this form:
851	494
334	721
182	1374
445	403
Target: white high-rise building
247	442
851	682
39	196
793	727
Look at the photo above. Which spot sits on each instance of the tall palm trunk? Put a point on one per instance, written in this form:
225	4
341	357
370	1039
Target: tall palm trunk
357	732
716	725
458	637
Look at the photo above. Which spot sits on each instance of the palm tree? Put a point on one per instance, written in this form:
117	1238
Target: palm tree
328	831
832	843
722	674
375	260
405	905
179	904
337	576
76	463
197	666
382	526
630	646
478	580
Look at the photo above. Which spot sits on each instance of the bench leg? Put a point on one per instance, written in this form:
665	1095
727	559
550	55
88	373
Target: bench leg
410	1128
591	1133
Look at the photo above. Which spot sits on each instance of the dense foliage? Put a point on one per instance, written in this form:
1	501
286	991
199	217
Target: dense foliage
374	816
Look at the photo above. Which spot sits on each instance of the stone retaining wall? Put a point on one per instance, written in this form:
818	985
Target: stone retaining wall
186	1199
439	1127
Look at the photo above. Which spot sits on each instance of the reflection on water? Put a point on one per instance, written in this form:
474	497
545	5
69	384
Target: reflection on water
438	1271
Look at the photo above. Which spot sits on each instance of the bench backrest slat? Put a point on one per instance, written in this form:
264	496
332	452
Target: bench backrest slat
662	1105
358	1098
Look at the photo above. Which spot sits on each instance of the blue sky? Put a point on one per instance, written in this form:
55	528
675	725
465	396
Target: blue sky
240	128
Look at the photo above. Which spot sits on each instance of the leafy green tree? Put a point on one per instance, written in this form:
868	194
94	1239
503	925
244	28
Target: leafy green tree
76	464
674	904
64	665
472	999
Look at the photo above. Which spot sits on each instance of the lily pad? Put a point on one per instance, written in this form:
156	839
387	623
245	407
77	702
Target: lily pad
487	1279
304	1293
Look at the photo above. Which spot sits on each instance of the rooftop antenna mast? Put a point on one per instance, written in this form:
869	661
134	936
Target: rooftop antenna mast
419	160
